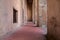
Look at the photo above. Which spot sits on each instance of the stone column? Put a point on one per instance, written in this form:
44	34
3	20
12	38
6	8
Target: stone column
36	13
33	11
25	11
43	15
43	12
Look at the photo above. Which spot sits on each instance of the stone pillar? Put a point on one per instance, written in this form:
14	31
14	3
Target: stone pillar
22	12
43	14
33	11
25	11
36	12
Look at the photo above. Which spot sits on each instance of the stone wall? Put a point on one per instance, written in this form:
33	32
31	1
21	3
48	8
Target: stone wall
6	16
54	19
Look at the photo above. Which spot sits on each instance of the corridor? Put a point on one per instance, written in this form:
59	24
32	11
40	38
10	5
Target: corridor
27	32
29	19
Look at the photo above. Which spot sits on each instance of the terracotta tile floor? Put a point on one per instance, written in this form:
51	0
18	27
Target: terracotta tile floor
27	32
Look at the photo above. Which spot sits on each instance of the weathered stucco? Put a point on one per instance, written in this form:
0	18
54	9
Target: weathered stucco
6	16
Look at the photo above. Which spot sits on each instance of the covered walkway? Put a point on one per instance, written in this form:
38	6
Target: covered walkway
27	32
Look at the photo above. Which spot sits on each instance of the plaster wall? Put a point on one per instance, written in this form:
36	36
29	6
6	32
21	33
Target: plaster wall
6	16
54	18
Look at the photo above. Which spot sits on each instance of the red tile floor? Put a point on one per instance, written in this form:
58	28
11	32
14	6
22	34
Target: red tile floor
27	32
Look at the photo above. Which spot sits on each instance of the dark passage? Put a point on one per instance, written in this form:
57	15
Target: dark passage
14	15
29	6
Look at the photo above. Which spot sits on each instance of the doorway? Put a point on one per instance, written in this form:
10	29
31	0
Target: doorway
29	9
